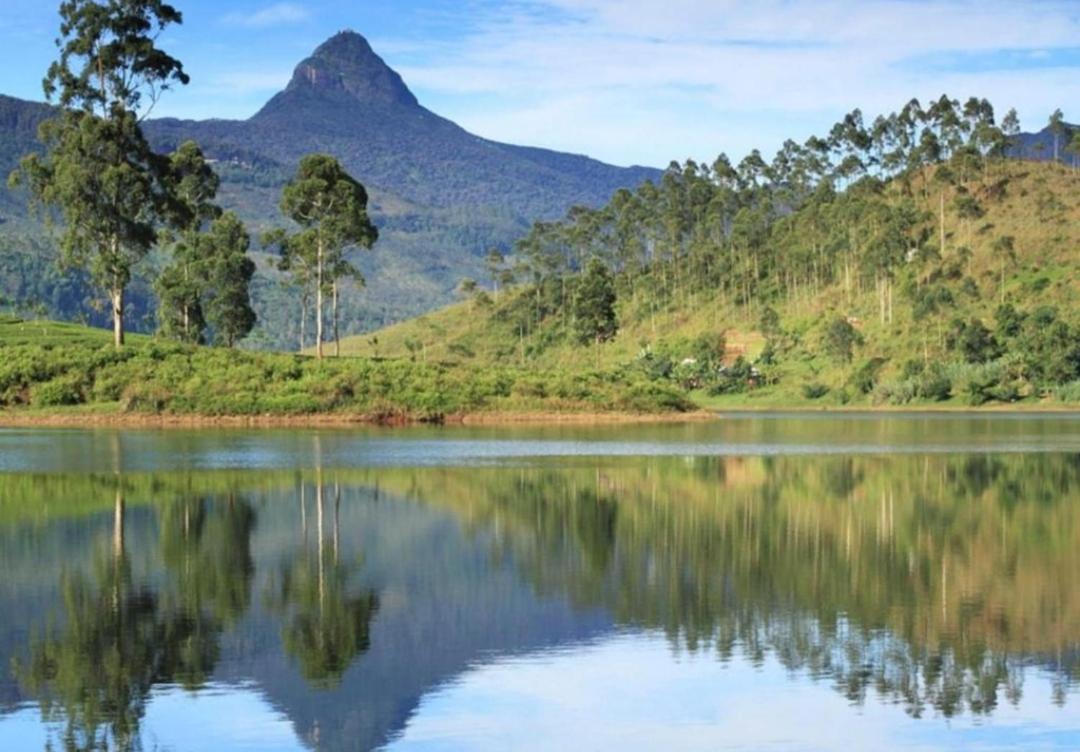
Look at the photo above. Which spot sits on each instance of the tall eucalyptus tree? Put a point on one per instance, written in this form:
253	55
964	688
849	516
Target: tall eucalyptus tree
98	171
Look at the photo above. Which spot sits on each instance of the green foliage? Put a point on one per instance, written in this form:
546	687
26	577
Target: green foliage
973	341
983	383
63	390
733	379
1008	322
927	300
331	208
180	286
918	381
866	376
708	349
1068	393
99	170
594	305
230	270
650	397
840	339
769	322
934	384
165	377
814	390
1049	347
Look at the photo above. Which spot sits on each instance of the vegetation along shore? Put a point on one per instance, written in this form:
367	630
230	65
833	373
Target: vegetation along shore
906	261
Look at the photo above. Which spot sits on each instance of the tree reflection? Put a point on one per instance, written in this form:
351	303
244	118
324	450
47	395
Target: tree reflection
206	549
929	581
94	665
327	626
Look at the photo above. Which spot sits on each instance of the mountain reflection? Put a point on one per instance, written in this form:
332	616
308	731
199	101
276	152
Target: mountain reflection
929	581
942	583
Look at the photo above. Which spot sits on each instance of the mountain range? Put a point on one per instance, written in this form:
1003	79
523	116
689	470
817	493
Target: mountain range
441	196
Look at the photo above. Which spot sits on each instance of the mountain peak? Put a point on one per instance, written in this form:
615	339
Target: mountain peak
346	64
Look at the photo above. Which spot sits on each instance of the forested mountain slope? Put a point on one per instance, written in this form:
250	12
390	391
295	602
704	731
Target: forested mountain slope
952	281
441	196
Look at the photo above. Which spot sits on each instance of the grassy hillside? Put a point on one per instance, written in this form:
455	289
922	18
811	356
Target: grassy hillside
1035	204
69	369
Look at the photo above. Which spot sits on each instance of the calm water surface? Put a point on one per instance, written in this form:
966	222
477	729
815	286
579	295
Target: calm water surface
784	582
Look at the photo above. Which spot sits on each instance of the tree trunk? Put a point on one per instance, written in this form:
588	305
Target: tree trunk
118	316
118	524
303	512
881	299
337	511
319	525
319	302
941	223
118	547
337	337
303	319
187	308
889	290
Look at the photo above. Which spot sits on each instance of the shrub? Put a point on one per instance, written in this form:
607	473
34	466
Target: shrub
934	384
141	397
973	341
63	390
530	387
980	384
897	392
288	404
865	377
1068	393
733	379
840	339
655	365
690	374
769	322
709	349
813	391
645	398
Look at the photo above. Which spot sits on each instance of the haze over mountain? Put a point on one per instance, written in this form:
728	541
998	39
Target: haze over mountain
441	196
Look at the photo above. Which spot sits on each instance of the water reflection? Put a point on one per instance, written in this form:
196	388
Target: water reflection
926	582
325	627
944	584
97	658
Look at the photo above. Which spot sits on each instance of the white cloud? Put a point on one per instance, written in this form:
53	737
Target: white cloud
278	14
637	80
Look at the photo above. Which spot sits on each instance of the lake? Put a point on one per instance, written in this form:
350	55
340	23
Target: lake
788	582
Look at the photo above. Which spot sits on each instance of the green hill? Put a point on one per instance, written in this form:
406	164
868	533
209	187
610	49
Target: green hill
440	196
69	371
991	316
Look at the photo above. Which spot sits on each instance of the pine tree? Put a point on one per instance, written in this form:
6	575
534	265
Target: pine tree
594	304
228	301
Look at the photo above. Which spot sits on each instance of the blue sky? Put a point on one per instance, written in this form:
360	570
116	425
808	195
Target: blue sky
627	81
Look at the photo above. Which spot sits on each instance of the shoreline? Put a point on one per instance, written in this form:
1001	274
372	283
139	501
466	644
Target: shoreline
88	419
337	420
